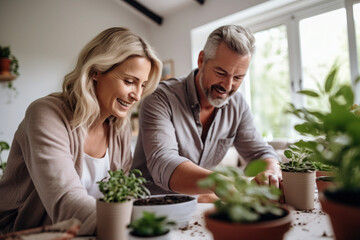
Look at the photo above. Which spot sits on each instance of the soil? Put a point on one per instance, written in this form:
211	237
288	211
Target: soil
263	217
163	200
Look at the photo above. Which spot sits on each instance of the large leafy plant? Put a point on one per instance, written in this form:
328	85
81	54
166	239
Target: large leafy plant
241	200
150	225
119	187
334	133
298	159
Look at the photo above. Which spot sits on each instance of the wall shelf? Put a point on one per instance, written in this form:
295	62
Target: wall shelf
6	78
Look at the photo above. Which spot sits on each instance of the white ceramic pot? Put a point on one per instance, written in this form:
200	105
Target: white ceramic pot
178	212
112	220
299	188
166	236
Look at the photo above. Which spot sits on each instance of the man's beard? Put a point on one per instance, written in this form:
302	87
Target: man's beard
217	102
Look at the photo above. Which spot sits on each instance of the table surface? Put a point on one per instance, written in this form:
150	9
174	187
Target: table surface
313	224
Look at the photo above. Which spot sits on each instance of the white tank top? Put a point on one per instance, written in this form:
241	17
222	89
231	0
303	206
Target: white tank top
94	169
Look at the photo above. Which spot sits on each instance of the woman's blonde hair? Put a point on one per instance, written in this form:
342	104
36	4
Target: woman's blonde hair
108	49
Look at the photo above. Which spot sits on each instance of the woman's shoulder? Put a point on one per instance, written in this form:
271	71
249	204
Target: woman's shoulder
46	106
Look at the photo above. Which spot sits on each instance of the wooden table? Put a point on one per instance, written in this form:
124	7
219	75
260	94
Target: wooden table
308	225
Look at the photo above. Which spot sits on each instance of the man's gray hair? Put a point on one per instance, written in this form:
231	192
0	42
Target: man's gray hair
237	38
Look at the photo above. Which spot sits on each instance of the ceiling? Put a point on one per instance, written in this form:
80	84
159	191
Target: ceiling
157	10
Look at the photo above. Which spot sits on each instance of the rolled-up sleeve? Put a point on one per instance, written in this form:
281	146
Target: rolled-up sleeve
159	139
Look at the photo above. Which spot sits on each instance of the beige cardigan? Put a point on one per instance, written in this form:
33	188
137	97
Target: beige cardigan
41	184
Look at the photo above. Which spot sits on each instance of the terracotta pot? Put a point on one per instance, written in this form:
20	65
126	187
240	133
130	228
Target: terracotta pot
112	220
270	230
166	236
345	219
299	188
325	173
5	66
324	182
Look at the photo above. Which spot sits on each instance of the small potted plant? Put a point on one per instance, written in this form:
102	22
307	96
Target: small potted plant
3	146
8	62
298	177
335	141
324	176
150	227
114	209
244	208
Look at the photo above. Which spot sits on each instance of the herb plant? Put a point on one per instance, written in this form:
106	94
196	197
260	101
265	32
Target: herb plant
241	200
150	225
334	132
5	52
298	159
119	187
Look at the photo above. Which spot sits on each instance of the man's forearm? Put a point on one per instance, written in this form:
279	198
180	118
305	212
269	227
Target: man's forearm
185	177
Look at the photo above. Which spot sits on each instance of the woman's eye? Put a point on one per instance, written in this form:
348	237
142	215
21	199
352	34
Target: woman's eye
143	85
127	81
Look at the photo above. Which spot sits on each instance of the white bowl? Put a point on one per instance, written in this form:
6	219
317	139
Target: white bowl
177	212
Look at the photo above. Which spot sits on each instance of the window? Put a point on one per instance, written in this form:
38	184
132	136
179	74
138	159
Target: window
323	44
357	28
269	82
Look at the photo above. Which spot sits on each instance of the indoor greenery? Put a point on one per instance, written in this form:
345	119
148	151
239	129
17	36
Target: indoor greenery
150	225
5	52
241	200
334	131
119	187
298	159
3	146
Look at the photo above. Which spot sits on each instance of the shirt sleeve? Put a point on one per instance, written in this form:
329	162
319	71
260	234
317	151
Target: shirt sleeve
159	138
46	147
248	141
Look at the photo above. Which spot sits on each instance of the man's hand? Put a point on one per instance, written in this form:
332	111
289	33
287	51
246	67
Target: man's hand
272	175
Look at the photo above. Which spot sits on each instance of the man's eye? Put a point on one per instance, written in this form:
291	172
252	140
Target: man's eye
221	74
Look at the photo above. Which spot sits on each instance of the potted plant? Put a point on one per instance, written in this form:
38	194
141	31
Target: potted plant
114	209
150	227
3	146
298	177
8	62
244	208
336	142
177	207
324	176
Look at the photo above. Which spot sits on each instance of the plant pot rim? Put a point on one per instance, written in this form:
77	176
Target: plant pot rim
279	221
164	195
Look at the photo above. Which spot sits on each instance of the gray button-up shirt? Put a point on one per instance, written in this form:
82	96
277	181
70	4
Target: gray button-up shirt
170	132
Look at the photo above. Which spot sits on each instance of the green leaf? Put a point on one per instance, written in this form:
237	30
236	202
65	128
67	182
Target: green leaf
255	167
330	80
309	93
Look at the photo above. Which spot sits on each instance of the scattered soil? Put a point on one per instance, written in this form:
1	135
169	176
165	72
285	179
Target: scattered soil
162	200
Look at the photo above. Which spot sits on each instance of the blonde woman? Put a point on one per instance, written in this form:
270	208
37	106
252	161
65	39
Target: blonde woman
69	140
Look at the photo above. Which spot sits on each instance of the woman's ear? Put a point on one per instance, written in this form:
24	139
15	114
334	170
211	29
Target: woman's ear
94	74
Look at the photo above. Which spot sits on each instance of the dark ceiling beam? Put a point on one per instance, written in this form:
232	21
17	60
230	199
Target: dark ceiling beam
200	1
144	10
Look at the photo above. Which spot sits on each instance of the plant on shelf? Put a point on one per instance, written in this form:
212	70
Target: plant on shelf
150	225
335	141
298	177
3	146
6	55
114	208
244	208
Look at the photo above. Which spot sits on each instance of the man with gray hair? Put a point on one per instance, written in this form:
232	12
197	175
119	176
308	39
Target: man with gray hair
188	124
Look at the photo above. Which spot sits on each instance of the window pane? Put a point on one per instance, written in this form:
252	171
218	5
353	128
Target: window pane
357	28
269	83
323	43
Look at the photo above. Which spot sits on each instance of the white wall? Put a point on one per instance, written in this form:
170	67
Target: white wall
46	36
172	39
